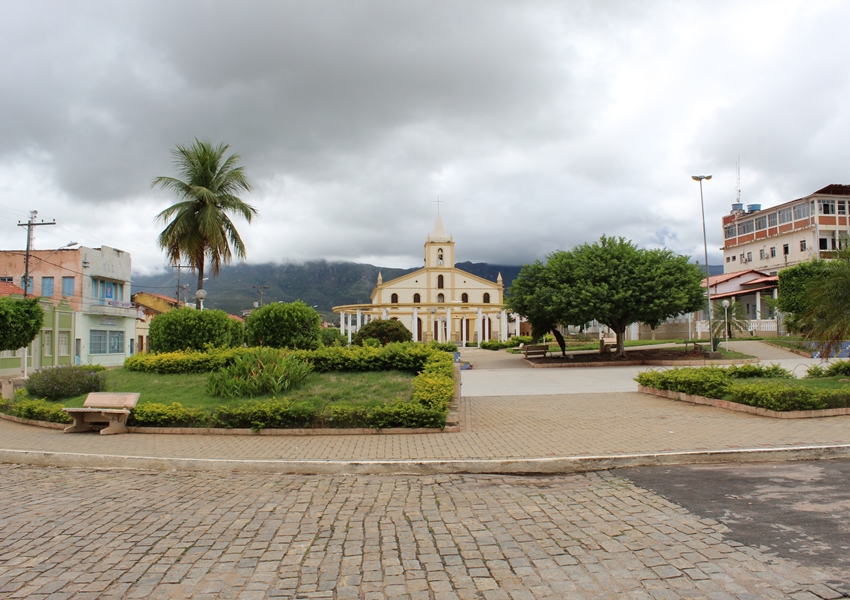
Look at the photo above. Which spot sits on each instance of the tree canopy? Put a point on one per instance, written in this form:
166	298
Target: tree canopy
20	322
823	310
284	325
198	227
795	285
611	281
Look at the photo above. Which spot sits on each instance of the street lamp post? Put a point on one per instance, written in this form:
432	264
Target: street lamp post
201	295
705	248
726	322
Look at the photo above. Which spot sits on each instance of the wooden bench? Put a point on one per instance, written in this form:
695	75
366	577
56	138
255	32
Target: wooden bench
103	407
534	351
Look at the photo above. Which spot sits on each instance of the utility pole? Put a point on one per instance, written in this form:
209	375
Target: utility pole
178	267
260	289
29	225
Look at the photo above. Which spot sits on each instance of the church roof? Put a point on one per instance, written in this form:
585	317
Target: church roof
439	233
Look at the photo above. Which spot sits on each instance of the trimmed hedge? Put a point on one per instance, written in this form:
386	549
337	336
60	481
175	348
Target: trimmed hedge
190	329
36	410
839	367
731	383
384	330
189	361
66	381
512	342
285	414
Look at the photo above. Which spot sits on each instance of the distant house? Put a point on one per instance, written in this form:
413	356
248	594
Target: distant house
94	285
147	307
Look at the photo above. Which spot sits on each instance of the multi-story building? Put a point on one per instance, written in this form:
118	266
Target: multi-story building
95	284
771	239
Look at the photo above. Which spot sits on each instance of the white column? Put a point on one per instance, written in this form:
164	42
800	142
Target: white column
478	324
384	313
349	328
758	305
342	323
413	324
517	322
448	325
503	326
463	330
359	319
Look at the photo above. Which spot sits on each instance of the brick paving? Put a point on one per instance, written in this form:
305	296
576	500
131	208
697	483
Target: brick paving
76	534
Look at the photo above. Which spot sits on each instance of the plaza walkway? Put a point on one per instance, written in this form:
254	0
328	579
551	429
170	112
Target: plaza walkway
507	413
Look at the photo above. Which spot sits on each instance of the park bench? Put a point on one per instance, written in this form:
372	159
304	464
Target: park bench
535	351
607	345
103	407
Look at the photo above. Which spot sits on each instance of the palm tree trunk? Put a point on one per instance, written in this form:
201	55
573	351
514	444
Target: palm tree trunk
200	280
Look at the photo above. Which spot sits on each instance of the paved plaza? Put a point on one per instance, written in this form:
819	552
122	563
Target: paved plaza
71	533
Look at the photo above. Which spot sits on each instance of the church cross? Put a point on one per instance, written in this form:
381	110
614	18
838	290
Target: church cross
438	201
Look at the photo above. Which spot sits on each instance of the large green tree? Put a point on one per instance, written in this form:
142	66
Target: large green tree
611	281
20	322
198	227
284	325
794	293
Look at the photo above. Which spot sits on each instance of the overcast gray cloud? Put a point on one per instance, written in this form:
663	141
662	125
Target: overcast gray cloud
541	124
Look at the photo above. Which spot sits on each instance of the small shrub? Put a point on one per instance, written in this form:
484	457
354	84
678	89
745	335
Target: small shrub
371	343
777	396
284	325
55	383
444	346
258	372
331	336
266	414
708	381
383	330
815	371
513	342
839	367
190	361
750	371
190	329
164	415
433	391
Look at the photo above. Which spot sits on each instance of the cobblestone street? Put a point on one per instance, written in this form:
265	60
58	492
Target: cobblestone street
69	533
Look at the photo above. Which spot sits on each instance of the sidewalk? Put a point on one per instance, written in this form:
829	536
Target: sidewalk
595	413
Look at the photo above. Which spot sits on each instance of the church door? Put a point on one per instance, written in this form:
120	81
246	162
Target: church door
419	329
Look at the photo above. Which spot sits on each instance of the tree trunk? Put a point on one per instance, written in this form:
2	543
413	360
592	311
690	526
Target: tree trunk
200	281
561	341
621	342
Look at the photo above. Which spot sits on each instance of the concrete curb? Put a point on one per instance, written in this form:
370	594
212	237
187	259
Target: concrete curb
552	466
646	363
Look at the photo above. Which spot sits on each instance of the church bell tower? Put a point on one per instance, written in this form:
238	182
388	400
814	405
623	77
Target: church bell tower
439	248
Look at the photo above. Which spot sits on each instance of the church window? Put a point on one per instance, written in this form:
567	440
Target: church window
440	257
440	282
416	299
486	298
441	298
464	297
394	298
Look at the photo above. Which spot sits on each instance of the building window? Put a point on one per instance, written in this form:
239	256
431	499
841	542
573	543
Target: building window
730	231
745	227
48	343
67	287
801	211
826	207
771	220
728	259
762	254
440	282
842	207
416	299
749	256
441	298
761	223
786	215
802	245
440	257
785	250
29	285
743	258
394	298
733	258
773	252
464	297
47	287
824	244
116	342
64	343
97	341
486	298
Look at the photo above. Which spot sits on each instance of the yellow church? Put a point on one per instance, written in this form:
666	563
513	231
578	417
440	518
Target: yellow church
438	302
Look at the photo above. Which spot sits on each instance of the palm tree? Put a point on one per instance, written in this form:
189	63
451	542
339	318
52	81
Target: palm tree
738	320
198	226
826	317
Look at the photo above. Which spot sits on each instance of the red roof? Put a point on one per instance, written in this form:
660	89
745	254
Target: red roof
834	189
718	279
7	288
160	296
737	293
237	318
769	280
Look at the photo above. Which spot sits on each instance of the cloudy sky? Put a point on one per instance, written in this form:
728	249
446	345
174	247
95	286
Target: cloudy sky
541	125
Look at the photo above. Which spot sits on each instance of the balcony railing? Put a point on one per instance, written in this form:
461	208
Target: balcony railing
102	306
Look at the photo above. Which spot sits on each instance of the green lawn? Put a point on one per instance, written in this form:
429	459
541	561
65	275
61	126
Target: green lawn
795	343
324	388
818	383
576	346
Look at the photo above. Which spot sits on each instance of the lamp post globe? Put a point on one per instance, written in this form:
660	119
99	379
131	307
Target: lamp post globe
201	296
725	304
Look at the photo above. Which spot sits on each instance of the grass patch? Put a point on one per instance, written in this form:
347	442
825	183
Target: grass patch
578	346
794	343
362	389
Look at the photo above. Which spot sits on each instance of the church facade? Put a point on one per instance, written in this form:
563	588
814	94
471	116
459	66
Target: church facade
438	302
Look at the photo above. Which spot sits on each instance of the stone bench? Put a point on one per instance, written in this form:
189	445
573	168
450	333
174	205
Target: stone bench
534	351
103	407
607	345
